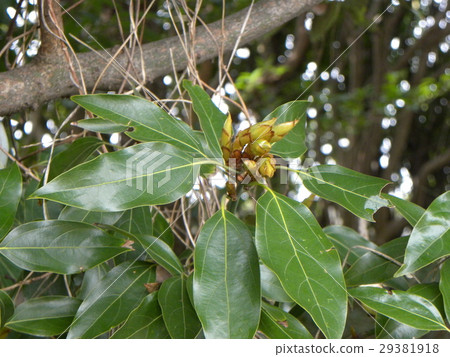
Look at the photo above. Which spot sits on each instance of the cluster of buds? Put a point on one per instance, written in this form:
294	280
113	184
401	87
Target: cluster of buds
250	150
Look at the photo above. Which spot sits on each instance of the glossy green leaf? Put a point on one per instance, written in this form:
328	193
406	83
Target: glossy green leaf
112	300
145	321
101	125
6	308
137	221
10	193
178	313
430	238
293	144
210	117
141	175
406	308
77	152
91	279
347	241
431	292
271	287
150	122
9	272
44	316
389	328
291	243
377	268
278	324
354	191
227	292
444	286
162	230
81	215
161	253
410	211
61	247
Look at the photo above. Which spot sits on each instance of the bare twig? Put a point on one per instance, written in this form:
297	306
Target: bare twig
26	282
22	166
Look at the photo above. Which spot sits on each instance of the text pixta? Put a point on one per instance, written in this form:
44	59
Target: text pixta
304	349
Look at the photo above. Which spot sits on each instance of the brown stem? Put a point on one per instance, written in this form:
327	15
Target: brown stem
26	282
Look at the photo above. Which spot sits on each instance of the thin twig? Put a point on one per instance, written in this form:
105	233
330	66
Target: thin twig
22	166
26	282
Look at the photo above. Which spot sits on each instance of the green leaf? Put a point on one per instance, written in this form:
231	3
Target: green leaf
10	193
431	292
137	221
100	125
227	292
59	246
81	215
410	211
44	316
145	321
377	268
141	175
388	328
275	323
112	300
291	243
293	144
347	241
406	308
77	152
210	117
444	286
9	273
162	230
91	278
178	313
150	122
430	238
271	287
352	190
161	253
6	308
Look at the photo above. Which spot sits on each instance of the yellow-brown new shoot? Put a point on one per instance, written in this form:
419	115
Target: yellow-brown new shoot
259	147
267	166
225	140
280	130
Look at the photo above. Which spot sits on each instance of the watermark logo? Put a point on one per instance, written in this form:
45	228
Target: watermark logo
147	170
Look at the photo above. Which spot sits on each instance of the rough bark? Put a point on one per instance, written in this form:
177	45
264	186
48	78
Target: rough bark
42	81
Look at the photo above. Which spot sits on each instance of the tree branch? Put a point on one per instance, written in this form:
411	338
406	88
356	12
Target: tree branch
37	83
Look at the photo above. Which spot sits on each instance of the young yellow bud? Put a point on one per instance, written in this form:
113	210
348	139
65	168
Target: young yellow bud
281	130
251	166
258	147
267	166
225	140
242	138
262	130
